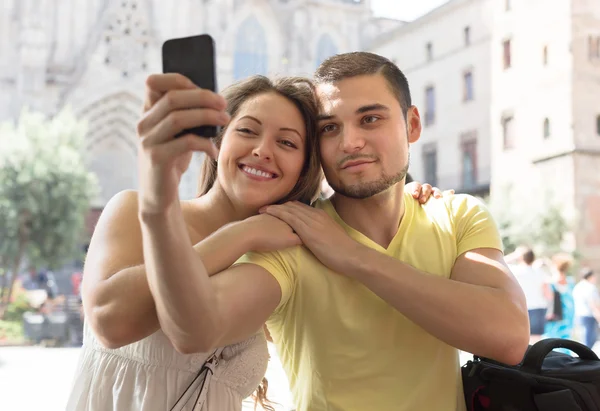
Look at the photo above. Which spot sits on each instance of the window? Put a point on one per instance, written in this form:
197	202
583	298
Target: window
508	132
593	47
467	35
429	51
469	163
545	56
546	128
250	56
468	86
430	164
598	124
506	53
429	105
325	49
506	5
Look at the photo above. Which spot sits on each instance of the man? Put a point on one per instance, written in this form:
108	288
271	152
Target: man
587	306
372	311
534	283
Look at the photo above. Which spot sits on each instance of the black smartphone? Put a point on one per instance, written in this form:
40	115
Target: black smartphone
194	57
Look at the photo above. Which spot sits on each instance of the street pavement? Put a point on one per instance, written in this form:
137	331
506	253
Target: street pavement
37	378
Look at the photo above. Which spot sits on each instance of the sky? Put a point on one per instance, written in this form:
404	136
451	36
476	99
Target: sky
406	10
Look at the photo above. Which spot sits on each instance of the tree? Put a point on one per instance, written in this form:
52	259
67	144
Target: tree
45	193
538	224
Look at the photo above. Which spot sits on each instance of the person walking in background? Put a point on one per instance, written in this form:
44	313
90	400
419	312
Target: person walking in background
587	306
562	311
534	283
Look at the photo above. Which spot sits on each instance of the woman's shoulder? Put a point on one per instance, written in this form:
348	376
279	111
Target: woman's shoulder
193	217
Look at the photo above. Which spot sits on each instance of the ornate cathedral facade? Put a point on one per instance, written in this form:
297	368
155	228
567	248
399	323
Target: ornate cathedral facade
95	55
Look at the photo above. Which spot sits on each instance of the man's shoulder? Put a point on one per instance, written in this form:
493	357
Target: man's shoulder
462	203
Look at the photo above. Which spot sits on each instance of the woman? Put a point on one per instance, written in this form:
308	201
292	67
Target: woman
134	355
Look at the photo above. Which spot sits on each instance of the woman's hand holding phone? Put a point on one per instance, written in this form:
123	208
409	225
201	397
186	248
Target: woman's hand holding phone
172	104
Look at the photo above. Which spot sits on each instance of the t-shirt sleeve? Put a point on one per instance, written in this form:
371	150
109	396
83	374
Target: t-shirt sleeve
473	223
281	265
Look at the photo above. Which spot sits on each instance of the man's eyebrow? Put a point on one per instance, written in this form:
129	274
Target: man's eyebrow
322	117
371	107
360	110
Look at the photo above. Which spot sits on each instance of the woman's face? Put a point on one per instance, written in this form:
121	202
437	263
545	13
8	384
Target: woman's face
263	151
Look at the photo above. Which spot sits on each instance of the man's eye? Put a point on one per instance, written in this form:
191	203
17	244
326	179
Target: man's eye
370	119
328	128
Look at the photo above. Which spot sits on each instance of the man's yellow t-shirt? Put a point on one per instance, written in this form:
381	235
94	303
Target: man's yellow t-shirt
343	347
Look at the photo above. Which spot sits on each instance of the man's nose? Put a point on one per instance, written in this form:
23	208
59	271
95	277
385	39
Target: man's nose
351	139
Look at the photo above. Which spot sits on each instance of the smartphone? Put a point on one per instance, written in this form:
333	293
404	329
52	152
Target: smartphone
194	57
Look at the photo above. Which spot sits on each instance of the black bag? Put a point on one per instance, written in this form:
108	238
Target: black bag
544	381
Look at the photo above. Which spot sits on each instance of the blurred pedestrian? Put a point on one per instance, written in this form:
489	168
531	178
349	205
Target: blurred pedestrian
534	283
587	306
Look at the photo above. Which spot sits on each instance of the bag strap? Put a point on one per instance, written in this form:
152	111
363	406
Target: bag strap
534	358
203	378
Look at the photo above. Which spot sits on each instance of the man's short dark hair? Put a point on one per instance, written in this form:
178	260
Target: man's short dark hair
528	256
587	273
358	63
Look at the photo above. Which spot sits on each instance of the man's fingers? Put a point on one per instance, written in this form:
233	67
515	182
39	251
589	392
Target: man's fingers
177	100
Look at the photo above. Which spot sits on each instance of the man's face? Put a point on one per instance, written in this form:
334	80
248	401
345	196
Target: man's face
363	136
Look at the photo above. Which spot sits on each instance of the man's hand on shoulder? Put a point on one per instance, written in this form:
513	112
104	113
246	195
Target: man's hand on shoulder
327	240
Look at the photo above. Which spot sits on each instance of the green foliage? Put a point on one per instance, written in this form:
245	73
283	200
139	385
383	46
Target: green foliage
45	188
16	308
11	331
537	221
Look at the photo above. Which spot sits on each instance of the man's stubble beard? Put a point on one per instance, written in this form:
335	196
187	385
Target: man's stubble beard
362	191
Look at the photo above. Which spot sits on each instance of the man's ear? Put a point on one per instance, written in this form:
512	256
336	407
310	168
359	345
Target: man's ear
413	124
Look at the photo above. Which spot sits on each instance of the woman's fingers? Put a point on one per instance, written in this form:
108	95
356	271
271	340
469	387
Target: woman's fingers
177	121
426	191
158	84
169	152
174	100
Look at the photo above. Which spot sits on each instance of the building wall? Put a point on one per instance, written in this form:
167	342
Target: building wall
531	91
456	121
586	115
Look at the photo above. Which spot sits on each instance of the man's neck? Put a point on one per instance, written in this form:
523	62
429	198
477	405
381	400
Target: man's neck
376	217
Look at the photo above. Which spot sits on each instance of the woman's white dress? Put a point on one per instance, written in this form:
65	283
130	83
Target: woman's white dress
150	375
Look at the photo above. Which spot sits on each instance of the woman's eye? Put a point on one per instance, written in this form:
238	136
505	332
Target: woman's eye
288	143
245	130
